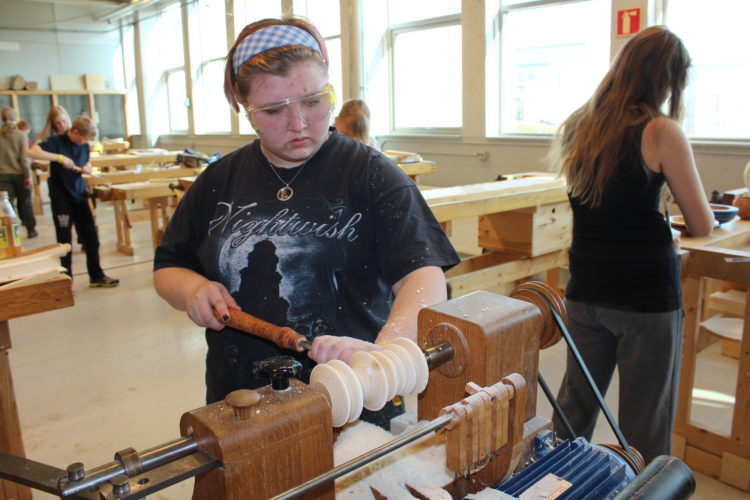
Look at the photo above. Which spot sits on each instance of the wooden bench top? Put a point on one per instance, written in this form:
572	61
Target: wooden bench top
124	159
122	177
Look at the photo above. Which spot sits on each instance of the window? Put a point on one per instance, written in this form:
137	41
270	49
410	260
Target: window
425	64
427	83
126	80
208	48
158	64
176	98
716	102
552	57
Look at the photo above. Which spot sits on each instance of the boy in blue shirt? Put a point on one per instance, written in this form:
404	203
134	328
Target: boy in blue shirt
68	154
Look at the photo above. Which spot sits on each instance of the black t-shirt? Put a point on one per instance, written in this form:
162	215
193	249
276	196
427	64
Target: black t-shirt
322	262
64	181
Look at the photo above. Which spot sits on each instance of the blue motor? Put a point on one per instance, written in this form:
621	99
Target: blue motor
594	472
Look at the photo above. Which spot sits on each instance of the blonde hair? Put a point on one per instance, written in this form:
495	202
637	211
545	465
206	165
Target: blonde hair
276	61
49	129
354	120
651	68
85	126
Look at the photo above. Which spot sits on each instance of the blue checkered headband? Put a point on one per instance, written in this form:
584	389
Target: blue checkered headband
278	35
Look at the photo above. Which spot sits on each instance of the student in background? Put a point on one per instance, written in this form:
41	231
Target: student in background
25	127
623	298
15	169
354	121
68	154
58	122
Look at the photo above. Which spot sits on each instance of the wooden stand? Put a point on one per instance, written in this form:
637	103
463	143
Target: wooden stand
17	302
158	197
283	440
525	226
723	255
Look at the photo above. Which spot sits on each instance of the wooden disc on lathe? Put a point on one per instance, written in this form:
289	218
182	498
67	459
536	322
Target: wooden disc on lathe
389	369
335	390
353	386
399	369
446	332
373	379
410	371
420	363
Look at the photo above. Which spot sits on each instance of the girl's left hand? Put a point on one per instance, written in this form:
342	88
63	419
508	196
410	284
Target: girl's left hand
328	347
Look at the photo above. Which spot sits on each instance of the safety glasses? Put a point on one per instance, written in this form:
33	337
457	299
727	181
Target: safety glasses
276	117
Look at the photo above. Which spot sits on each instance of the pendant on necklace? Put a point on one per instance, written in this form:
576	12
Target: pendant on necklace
284	193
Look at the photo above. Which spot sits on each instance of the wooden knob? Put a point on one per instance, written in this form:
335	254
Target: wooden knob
242	402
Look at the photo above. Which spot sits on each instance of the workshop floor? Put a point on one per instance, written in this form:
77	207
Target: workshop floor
119	368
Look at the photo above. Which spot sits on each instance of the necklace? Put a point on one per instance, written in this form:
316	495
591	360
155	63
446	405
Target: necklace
285	192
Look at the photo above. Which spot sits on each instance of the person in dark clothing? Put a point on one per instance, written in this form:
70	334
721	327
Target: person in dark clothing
304	227
68	154
15	170
623	298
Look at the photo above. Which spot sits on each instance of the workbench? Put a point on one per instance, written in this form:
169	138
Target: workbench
157	196
524	228
723	255
22	301
122	160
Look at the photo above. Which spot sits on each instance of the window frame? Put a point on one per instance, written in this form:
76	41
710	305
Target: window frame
410	27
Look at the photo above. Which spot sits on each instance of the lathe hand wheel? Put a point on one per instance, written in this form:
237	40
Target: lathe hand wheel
534	293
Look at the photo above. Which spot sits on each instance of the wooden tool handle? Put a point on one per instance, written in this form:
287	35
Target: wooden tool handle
282	336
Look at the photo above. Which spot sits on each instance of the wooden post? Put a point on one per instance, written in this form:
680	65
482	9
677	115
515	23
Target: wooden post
10	432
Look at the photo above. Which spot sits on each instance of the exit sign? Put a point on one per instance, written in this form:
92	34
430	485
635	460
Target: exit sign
628	21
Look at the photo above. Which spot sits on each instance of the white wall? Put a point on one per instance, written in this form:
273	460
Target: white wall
85	46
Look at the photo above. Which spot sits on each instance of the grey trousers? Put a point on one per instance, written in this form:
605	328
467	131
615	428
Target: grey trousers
646	348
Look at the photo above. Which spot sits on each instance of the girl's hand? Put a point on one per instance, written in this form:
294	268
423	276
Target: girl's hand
210	296
328	347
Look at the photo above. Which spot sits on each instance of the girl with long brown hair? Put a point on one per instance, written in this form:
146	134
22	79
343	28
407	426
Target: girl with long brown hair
623	297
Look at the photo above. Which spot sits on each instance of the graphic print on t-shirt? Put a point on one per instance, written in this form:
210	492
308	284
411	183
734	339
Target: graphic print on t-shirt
295	249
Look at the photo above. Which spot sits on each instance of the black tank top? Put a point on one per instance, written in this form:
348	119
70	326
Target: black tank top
622	255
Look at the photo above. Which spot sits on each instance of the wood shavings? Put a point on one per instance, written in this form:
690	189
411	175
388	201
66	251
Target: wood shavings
421	464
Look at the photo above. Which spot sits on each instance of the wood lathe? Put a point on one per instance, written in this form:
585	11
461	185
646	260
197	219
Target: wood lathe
475	368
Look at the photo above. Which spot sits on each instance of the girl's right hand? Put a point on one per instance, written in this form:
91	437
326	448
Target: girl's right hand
210	296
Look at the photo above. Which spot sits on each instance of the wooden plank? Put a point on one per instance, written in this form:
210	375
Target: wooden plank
741	417
418	168
710	262
488	189
140	190
691	299
703	461
35	298
11	440
711	442
123	160
122	177
735	471
493	203
490	277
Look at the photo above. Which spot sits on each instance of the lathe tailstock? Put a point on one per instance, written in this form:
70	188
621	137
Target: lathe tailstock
281	439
